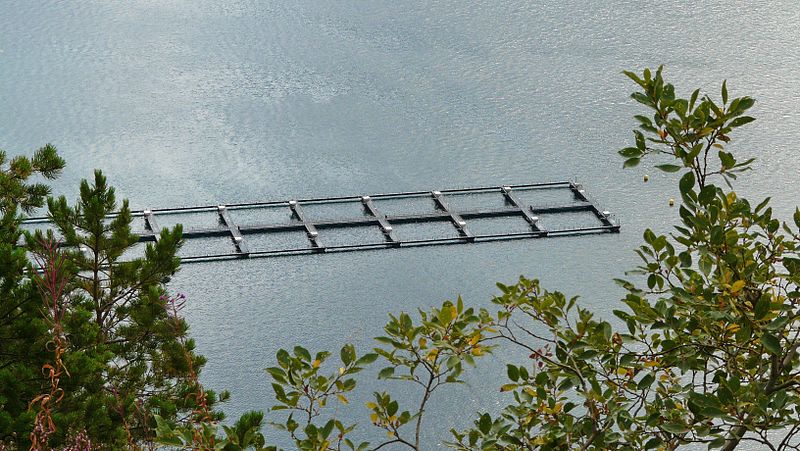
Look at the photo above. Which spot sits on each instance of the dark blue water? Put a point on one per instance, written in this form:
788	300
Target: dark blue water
204	102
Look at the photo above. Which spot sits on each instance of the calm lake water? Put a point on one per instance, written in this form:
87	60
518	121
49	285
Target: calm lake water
205	102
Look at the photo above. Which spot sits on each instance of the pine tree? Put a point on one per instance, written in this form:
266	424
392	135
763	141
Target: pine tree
125	357
22	329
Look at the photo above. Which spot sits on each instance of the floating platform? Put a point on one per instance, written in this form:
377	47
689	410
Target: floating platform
349	223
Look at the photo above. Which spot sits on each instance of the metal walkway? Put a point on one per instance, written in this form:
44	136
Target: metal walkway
251	230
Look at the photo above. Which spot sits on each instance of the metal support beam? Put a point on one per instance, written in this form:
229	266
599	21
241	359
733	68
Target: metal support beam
236	234
311	231
150	224
458	221
532	219
386	228
603	216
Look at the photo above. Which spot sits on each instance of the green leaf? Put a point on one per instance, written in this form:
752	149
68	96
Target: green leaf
792	265
693	99
705	265
646	381
386	372
797	217
630	163
771	343
707	194
713	412
739	121
639	140
327	429
366	359
485	423
513	372
347	354
778	323
282	356
687	182
669	167
744	104
762	307
633	77
630	152
653	443
643	120
724	92
277	374
727	159
303	353
641	98
763	204
675	428
606	330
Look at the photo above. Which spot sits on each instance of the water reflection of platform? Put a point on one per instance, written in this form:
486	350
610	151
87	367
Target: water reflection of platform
448	216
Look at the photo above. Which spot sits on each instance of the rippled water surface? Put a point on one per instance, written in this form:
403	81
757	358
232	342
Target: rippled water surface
205	102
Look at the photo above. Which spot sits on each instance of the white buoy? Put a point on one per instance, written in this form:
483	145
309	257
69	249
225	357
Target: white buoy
646	178
671	202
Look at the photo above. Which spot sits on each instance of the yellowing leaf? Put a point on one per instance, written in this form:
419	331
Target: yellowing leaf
315	363
343	399
372	405
477	351
374	417
556	409
432	355
423	343
529	391
737	286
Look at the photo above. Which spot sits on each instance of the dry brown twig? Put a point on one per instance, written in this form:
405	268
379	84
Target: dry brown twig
51	282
